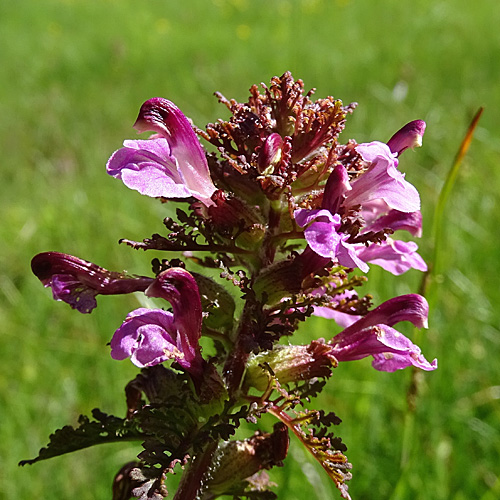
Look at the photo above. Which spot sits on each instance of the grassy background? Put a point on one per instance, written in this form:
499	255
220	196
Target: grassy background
73	74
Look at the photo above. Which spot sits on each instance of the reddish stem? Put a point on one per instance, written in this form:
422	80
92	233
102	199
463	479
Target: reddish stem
192	479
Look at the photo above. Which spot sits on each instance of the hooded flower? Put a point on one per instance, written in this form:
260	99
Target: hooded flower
151	336
373	335
77	282
172	164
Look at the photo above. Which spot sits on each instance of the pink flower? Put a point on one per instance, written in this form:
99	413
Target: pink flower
373	335
171	164
394	256
409	136
151	336
322	236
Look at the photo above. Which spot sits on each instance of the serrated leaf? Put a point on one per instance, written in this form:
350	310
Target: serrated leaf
104	429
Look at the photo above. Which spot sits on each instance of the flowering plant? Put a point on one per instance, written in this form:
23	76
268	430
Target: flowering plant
290	217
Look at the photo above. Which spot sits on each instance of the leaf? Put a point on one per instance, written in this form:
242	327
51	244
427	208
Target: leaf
310	429
444	195
104	429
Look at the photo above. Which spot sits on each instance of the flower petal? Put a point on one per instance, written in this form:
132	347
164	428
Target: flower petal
147	337
178	286
394	256
341	318
348	257
396	220
270	153
391	349
323	238
382	180
411	307
147	167
304	216
336	187
409	136
70	290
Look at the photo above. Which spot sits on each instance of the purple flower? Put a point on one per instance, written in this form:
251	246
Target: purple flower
322	236
379	216
77	282
373	335
171	164
382	180
152	336
270	153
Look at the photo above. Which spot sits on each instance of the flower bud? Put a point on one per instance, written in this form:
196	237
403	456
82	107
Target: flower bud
78	282
270	154
290	363
236	461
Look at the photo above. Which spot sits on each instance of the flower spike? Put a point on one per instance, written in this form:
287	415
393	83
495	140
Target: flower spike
293	216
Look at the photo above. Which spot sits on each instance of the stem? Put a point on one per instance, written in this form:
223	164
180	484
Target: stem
237	358
291	235
191	247
269	249
192	479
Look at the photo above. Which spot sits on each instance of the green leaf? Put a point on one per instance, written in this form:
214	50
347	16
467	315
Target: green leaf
104	429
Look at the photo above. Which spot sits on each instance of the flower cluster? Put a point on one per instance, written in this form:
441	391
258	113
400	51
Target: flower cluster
292	218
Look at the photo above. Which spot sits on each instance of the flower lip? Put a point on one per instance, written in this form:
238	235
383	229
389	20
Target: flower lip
395	256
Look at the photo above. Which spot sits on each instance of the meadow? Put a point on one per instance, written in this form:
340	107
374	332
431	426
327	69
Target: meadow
73	75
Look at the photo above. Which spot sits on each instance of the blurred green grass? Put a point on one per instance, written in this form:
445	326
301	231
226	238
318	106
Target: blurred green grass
72	77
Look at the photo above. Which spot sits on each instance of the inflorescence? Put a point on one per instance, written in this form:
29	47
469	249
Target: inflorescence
288	215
